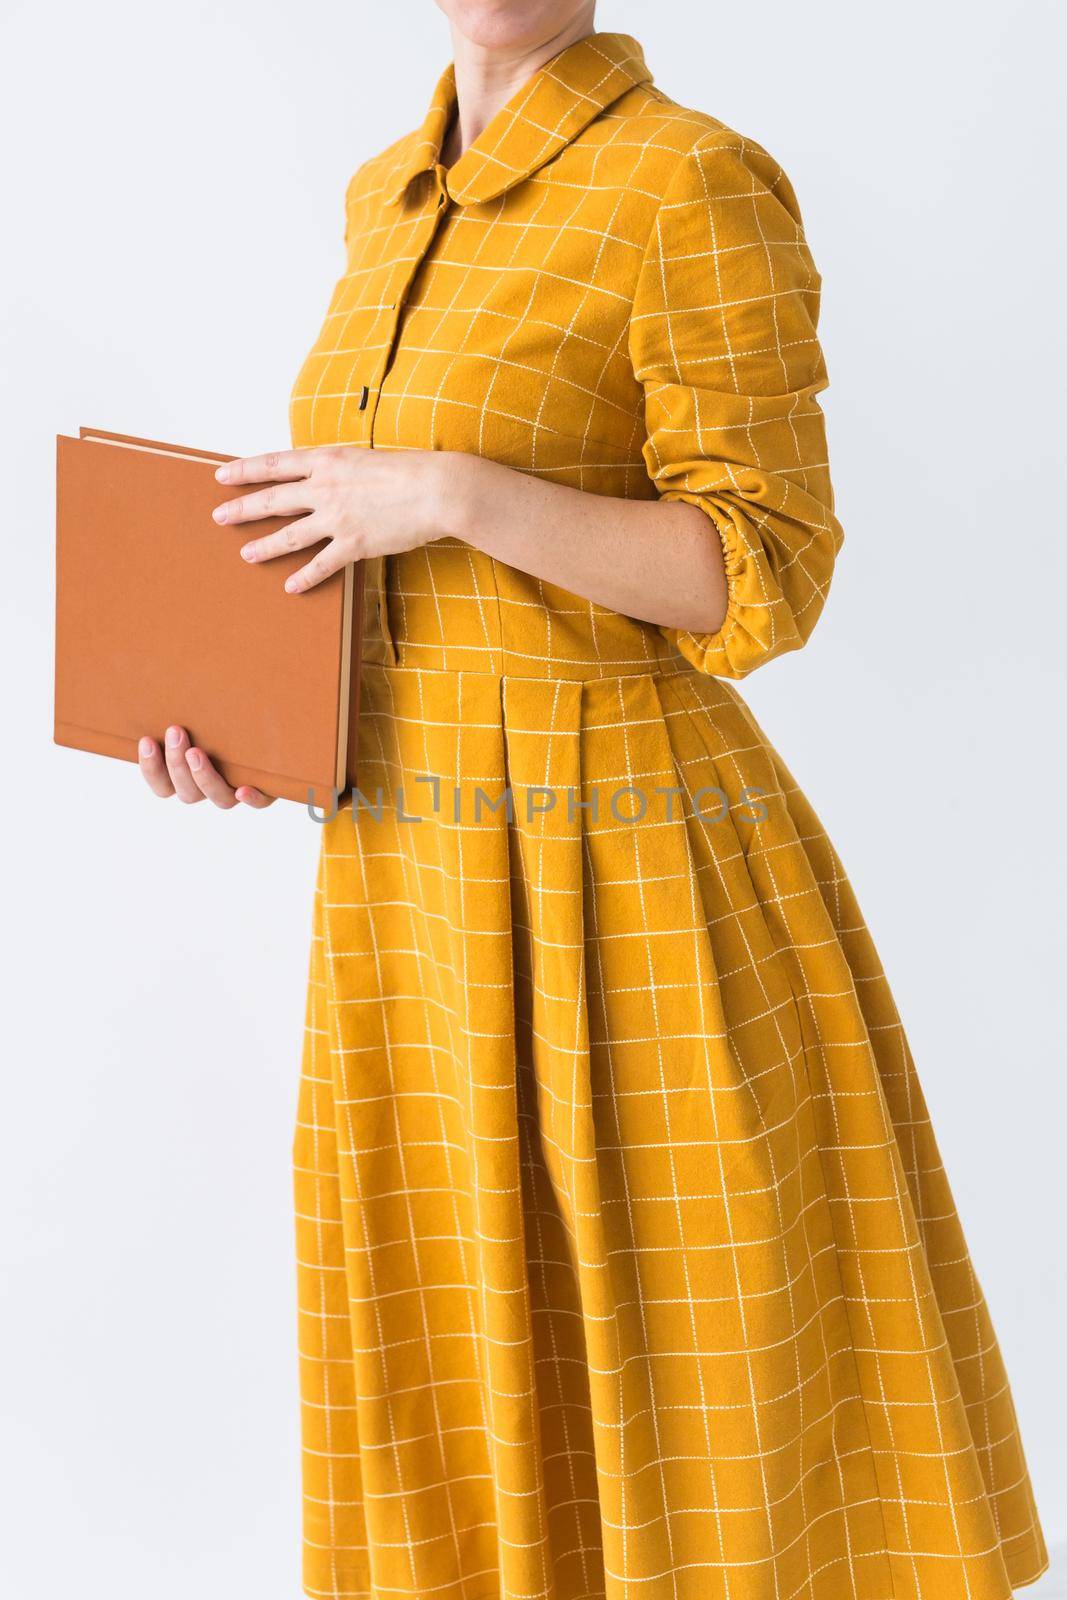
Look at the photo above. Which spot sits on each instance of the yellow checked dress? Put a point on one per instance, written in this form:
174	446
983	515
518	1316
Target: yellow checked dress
628	1267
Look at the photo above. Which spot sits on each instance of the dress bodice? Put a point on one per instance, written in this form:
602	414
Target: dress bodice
606	290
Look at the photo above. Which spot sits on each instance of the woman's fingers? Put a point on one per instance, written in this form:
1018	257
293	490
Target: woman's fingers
278	500
276	467
154	768
254	798
216	788
329	560
185	787
295	535
211	783
186	770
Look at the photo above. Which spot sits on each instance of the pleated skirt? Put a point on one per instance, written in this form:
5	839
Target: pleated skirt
628	1266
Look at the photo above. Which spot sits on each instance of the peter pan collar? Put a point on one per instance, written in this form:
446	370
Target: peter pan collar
561	98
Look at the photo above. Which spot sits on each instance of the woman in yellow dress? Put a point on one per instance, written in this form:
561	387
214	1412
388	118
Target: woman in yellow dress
628	1266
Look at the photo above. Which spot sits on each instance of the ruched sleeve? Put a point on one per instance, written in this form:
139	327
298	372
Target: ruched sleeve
723	341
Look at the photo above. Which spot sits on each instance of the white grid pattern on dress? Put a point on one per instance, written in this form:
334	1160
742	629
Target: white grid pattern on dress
628	1267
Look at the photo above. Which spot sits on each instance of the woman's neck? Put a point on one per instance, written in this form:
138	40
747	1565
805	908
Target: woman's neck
488	75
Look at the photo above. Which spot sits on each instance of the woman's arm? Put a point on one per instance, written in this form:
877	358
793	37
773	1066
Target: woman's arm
661	562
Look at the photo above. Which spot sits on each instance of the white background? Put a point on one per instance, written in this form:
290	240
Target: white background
175	177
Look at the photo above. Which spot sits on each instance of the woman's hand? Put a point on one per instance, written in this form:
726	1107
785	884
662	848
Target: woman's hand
364	502
182	769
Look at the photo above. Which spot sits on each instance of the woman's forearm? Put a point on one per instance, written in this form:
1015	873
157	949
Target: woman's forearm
658	561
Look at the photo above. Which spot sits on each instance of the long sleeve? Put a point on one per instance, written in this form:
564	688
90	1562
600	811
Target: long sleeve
723	340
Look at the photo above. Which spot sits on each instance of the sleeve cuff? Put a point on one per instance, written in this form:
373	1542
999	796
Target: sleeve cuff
752	629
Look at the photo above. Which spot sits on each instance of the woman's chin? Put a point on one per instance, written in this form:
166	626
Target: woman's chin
507	25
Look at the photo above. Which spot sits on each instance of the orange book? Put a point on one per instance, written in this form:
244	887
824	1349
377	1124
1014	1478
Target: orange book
159	621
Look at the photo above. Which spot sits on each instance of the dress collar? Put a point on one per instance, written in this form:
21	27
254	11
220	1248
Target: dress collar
544	114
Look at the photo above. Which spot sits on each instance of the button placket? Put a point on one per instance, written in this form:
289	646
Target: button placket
424	235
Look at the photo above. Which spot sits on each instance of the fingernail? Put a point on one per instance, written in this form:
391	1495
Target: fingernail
174	737
222	474
291	586
146	747
193	758
249	552
219	513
